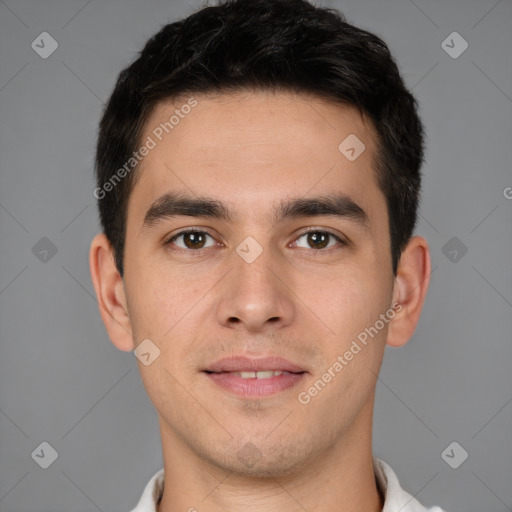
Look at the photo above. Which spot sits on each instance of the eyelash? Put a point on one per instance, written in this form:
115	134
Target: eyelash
304	233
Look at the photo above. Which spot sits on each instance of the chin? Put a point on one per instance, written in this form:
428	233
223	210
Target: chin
263	461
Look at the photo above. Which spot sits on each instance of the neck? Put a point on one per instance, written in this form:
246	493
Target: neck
341	478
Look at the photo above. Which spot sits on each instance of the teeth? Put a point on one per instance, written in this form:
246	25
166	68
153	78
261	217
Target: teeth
257	375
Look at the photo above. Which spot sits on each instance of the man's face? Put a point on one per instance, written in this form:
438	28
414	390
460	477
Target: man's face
257	284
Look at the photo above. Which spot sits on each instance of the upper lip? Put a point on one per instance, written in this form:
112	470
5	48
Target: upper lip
248	364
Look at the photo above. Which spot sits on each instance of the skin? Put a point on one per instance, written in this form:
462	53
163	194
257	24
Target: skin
252	150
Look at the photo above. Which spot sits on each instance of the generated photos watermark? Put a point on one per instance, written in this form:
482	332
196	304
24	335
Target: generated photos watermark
305	397
150	143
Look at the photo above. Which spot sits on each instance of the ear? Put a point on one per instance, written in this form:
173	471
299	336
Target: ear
411	285
110	292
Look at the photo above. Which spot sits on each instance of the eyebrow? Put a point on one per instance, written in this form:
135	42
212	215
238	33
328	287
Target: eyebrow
179	204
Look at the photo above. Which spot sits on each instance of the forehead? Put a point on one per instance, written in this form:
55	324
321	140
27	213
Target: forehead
253	148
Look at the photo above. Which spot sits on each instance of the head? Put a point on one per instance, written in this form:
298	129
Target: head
234	122
284	45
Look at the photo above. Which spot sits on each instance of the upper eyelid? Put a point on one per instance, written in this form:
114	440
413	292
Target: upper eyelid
189	230
320	230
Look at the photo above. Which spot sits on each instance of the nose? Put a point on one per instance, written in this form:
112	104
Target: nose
255	296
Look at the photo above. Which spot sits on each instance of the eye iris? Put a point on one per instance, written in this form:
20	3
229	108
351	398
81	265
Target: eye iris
318	239
194	240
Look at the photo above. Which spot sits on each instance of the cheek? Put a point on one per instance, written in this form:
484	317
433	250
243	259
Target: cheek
350	305
347	300
168	310
151	303
172	295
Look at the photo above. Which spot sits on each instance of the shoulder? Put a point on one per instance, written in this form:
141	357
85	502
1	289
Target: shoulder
151	494
396	499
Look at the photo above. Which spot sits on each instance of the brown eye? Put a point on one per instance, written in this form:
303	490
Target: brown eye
318	239
191	240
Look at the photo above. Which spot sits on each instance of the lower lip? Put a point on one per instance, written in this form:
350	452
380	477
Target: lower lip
255	387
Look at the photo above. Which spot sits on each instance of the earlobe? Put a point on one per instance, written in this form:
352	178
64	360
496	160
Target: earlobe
411	285
110	293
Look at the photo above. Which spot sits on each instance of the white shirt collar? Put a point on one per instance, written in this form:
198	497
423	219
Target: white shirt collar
395	498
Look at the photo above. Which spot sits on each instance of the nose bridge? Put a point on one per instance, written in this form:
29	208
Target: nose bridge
252	294
259	272
253	269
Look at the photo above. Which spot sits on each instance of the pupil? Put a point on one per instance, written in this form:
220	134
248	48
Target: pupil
195	239
318	239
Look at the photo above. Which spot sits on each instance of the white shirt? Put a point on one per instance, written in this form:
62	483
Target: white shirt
395	498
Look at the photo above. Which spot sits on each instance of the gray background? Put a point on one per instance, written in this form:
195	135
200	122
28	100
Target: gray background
63	382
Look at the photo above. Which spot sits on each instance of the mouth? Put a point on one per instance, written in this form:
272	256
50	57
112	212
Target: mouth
255	378
261	374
